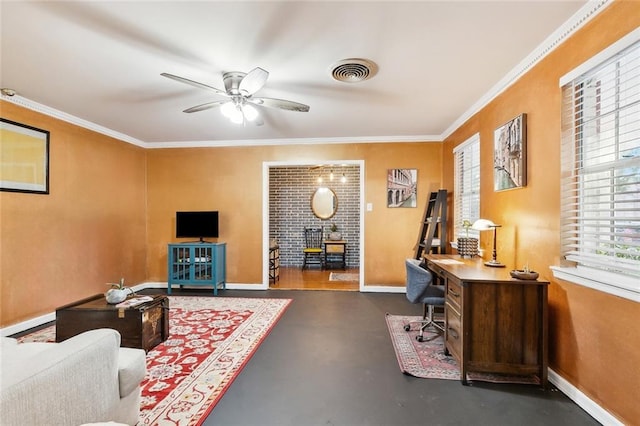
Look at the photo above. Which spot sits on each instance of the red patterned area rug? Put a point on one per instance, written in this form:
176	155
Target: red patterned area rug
427	360
210	341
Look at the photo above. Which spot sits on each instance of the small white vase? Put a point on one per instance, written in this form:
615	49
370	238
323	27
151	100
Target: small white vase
115	296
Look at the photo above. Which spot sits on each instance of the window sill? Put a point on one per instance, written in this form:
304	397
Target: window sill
624	287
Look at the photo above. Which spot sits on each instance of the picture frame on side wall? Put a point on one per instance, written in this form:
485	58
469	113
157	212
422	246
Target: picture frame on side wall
24	158
510	154
402	187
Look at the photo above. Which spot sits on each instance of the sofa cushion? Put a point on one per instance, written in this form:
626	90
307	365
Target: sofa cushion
14	355
131	369
7	342
67	383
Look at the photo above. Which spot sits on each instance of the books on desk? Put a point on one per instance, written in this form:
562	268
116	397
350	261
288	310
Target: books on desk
134	301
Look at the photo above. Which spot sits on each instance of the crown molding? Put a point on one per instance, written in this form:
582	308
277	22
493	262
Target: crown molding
573	24
52	112
294	141
577	21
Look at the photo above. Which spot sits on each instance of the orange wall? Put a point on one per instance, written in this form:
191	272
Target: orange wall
594	337
230	180
92	228
89	230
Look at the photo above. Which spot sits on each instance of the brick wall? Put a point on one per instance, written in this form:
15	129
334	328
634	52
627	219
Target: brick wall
290	192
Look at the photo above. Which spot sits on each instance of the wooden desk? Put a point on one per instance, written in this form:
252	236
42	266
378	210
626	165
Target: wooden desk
493	323
335	254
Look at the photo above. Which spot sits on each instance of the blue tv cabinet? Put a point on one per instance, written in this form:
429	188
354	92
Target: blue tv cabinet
197	264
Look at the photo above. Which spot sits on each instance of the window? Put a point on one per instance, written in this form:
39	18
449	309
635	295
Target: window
600	220
466	185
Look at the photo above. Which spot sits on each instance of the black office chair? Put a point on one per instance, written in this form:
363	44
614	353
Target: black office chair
312	250
420	289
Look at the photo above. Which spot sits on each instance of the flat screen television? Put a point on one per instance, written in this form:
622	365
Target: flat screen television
197	225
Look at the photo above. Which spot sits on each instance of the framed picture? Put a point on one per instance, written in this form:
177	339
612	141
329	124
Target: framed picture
402	187
24	158
510	154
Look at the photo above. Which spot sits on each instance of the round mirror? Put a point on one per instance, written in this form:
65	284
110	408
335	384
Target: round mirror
324	203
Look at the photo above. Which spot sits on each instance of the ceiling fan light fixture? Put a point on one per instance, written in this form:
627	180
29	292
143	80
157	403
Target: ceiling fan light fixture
353	70
237	118
250	112
227	109
236	115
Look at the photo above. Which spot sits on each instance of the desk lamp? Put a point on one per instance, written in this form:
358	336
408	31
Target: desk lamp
485	225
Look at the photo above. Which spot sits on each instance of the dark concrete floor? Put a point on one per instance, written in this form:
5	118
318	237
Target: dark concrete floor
330	361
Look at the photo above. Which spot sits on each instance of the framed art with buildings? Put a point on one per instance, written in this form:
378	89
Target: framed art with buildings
24	158
510	154
402	187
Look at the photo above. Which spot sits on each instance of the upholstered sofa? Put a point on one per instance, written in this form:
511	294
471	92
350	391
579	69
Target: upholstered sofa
85	379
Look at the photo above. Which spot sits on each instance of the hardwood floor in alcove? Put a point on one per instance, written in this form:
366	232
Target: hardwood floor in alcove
292	278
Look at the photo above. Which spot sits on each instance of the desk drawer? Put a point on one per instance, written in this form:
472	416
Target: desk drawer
454	294
453	334
433	267
334	248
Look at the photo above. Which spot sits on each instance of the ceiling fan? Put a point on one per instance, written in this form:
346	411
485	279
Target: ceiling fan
239	90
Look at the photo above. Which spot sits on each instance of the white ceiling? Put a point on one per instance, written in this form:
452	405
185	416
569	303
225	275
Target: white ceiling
101	62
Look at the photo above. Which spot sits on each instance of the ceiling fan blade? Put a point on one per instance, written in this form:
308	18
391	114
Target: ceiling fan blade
208	105
280	103
194	83
253	81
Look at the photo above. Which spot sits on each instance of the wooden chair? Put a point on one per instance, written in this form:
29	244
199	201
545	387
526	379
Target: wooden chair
313	247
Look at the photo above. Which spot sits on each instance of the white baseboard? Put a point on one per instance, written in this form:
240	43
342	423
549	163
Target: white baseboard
26	325
150	284
241	286
583	401
382	289
229	286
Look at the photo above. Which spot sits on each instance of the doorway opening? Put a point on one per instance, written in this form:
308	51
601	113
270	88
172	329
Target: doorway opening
288	188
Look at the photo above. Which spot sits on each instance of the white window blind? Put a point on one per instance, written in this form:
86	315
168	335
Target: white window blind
466	185
600	220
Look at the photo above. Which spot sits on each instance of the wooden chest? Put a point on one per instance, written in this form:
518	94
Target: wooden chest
143	326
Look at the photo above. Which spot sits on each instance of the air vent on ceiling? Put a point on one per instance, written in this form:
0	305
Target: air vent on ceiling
353	70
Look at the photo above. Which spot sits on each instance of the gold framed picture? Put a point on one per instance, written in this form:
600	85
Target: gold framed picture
24	158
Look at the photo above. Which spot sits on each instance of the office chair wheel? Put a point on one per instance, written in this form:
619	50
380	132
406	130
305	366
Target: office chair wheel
407	327
419	338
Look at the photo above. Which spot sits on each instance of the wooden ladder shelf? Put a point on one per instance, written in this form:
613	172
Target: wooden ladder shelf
433	229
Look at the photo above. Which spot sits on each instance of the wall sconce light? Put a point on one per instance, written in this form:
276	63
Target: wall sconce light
343	179
486	225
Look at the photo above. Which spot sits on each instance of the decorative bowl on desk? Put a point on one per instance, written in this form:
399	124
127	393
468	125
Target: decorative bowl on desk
524	275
